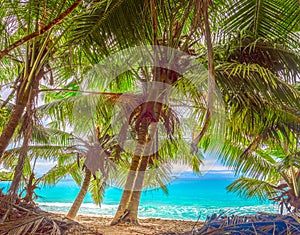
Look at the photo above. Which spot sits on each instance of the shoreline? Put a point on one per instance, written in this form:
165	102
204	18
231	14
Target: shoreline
111	217
147	226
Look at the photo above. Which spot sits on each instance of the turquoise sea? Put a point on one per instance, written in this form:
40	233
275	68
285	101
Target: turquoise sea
189	197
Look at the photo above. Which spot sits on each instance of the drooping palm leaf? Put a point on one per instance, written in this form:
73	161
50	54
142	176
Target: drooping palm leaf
251	187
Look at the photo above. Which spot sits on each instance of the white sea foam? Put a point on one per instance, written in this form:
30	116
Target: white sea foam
161	211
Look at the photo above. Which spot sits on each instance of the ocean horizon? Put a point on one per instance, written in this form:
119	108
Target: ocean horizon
190	197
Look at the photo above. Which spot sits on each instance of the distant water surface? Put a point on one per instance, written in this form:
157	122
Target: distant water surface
189	197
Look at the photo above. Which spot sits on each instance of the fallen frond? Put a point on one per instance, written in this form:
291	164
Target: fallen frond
18	218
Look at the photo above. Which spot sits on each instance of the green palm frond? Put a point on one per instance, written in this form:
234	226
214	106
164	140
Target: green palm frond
79	111
255	163
46	152
118	22
118	177
242	82
249	123
58	172
60	109
97	189
250	187
282	59
44	135
158	177
270	18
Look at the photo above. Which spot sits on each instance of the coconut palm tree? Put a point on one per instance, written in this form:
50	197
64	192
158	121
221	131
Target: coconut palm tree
94	154
68	160
31	63
174	24
243	82
241	33
263	149
28	46
258	50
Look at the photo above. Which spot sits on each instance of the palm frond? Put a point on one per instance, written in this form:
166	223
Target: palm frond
271	18
29	224
255	164
242	82
97	189
250	187
56	173
107	18
46	152
274	55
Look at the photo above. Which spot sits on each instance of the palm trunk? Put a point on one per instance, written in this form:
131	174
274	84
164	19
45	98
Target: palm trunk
11	126
18	172
26	92
133	206
123	211
24	97
80	196
127	192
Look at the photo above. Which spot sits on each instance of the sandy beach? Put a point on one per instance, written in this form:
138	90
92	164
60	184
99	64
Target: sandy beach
148	226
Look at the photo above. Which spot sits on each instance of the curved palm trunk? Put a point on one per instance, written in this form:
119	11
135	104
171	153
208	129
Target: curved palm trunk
80	196
28	97
11	126
18	172
24	97
127	211
133	206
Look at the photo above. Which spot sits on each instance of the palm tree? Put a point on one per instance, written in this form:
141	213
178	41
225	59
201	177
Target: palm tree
32	53
31	62
262	127
154	23
68	160
94	154
258	50
34	57
243	82
241	33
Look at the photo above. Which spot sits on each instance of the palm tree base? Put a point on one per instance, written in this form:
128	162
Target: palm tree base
128	220
71	217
